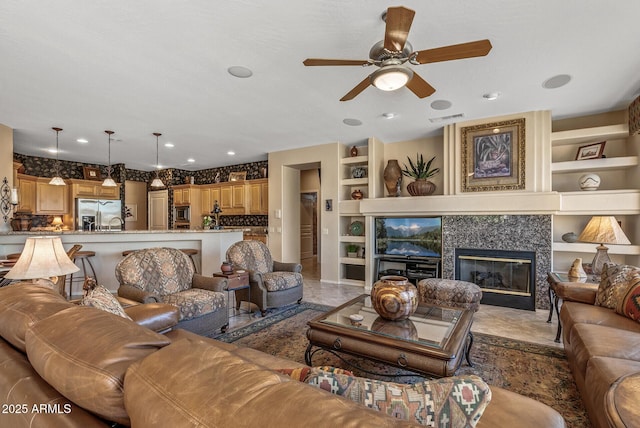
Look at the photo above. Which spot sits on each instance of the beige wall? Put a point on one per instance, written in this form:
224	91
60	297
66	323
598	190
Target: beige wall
136	194
309	180
428	147
6	163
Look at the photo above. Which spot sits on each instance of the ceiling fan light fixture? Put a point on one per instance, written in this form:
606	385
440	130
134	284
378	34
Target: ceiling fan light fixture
391	77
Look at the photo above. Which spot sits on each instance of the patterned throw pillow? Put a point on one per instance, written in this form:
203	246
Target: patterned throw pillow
302	373
629	304
614	283
454	402
100	298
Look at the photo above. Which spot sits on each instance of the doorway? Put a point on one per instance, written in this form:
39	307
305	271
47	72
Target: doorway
308	225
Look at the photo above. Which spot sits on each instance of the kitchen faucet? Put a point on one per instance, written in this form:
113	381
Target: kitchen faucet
116	218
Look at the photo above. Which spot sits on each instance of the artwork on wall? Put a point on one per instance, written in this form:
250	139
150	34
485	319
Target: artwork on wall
493	156
238	176
590	151
91	173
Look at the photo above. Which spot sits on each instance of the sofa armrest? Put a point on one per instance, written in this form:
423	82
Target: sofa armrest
577	292
158	317
209	283
133	293
287	267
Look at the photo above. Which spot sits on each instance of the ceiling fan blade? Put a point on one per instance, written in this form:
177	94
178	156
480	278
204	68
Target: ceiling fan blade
319	61
359	88
399	21
448	53
419	86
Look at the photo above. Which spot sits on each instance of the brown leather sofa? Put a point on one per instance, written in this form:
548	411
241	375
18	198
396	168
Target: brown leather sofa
601	347
62	365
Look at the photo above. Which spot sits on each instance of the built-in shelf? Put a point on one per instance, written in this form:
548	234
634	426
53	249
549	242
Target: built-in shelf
353	239
593	165
581	247
586	135
600	202
352	261
354	160
355	181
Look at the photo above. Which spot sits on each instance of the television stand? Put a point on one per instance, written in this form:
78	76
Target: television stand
414	268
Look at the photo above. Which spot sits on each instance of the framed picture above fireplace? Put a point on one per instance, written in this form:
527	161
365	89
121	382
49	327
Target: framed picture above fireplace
493	156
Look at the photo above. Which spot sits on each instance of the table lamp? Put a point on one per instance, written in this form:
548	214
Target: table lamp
42	257
57	222
602	230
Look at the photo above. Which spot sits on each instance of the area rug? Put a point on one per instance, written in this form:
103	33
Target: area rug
536	371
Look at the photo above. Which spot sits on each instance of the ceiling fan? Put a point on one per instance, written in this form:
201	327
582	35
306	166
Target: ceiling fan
391	54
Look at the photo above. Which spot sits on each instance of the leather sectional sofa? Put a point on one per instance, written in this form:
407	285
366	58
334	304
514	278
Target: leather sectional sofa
63	365
601	347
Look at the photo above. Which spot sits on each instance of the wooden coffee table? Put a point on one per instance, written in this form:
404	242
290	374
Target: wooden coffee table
433	341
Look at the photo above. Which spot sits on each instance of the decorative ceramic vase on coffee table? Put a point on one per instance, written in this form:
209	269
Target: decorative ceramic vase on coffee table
394	297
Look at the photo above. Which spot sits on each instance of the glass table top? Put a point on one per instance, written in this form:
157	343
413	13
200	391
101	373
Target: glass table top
429	325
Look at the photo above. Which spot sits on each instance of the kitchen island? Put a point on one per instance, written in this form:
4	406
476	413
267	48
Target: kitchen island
109	245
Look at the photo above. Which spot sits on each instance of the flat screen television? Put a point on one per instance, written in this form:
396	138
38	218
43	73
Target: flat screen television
409	236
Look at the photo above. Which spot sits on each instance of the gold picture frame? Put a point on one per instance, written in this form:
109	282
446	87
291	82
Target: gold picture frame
493	156
90	173
238	176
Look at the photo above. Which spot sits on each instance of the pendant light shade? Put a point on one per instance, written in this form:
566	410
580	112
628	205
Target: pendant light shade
57	180
108	182
156	181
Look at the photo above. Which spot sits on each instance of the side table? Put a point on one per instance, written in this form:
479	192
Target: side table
237	280
620	401
562	286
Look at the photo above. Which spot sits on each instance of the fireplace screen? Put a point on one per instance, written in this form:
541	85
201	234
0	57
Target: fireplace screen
497	274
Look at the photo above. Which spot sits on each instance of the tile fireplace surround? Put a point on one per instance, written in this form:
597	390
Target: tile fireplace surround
500	232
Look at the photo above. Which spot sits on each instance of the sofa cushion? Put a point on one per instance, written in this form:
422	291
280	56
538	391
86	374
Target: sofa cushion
588	341
100	298
278	281
24	304
208	386
579	313
449	402
629	304
613	283
90	372
196	302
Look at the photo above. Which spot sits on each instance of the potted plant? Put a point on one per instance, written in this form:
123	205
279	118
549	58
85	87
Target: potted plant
352	250
420	171
206	222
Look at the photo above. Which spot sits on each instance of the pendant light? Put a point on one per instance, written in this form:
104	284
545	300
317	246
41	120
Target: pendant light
108	182
156	181
57	180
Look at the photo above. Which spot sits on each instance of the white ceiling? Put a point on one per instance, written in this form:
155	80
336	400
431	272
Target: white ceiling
144	66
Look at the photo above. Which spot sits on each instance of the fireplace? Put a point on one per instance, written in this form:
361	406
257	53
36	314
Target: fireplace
507	278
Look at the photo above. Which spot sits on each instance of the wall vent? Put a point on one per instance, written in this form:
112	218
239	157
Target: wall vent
446	118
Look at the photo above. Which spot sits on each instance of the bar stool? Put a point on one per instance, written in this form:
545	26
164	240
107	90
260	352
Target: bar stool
85	258
191	252
14	256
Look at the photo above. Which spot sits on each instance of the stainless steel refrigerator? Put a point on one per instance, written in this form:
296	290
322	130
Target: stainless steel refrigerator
99	214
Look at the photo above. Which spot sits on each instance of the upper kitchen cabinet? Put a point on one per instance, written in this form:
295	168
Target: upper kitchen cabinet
232	198
186	194
258	196
209	194
92	189
26	186
50	199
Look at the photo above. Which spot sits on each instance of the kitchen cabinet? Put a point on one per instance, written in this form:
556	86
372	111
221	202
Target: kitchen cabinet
189	195
232	198
26	186
208	196
181	196
258	191
50	199
92	189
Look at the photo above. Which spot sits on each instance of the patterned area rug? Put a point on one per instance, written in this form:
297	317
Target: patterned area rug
536	371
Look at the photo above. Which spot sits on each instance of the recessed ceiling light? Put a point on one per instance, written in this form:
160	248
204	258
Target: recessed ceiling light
82	140
441	104
169	145
352	122
556	81
191	160
240	71
389	115
491	96
231	153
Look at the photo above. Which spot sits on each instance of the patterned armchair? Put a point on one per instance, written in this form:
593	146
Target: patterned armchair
166	275
273	284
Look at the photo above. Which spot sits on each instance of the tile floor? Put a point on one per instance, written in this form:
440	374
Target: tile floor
511	323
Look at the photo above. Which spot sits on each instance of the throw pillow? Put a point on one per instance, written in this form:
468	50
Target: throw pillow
629	304
454	402
614	283
99	297
302	373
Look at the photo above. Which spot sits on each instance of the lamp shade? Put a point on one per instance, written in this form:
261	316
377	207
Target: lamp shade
391	77
42	257
603	230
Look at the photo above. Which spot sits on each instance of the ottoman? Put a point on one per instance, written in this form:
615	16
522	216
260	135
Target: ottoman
450	292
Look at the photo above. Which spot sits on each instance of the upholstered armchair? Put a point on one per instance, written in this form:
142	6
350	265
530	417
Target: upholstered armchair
273	284
167	275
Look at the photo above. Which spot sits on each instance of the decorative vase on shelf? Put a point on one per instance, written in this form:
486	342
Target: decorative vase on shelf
357	194
358	172
589	181
392	178
421	187
570	237
394	297
353	152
